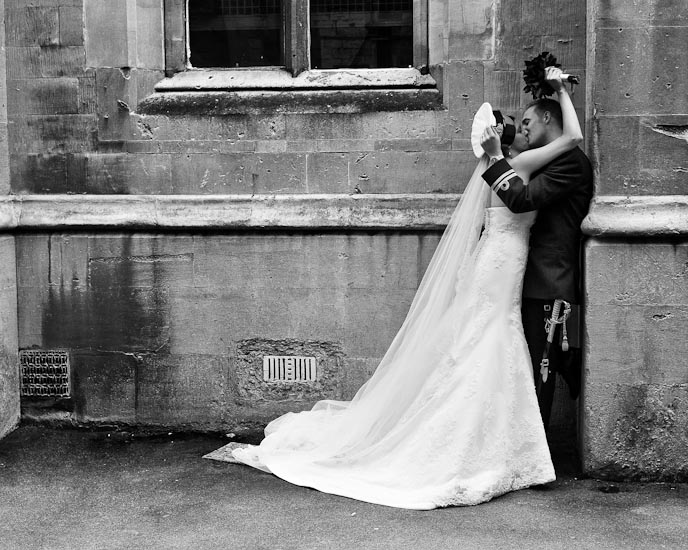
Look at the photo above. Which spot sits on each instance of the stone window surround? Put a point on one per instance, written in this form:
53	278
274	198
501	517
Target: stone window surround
245	89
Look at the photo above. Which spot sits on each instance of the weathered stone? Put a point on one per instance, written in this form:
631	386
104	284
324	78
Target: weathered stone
401	172
640	13
464	89
239	173
32	26
9	371
71	25
223	103
633	76
560	18
470	30
149	35
37	62
122	173
253	389
53	134
636	431
328	173
44	96
107	36
635	394
183	391
105	386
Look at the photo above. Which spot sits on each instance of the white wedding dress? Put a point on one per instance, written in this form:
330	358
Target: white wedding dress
458	425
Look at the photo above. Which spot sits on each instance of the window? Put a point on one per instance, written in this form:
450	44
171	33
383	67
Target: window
342	34
259	48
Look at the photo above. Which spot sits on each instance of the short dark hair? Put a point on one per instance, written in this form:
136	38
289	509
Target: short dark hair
545	104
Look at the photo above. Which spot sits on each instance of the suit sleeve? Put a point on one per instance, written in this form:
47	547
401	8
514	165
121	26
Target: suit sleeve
555	181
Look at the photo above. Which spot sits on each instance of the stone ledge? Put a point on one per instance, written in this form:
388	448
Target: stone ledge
228	212
281	79
640	216
241	102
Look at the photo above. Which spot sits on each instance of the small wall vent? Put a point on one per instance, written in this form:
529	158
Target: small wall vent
44	373
289	368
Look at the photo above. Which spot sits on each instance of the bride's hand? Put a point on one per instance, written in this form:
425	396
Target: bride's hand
490	142
553	78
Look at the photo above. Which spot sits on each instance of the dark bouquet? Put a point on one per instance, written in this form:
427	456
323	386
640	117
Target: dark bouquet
534	75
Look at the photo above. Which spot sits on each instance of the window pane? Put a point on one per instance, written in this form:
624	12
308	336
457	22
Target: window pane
235	33
361	33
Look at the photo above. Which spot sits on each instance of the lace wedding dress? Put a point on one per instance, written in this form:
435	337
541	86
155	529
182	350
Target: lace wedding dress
451	416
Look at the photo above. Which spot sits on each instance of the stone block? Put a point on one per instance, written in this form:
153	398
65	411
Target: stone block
323	126
241	173
104	387
263	127
71	25
9	371
183	391
38	173
504	91
640	13
43	96
400	172
630	274
116	93
108	39
328	173
130	173
636	432
401	125
617	176
635	382
149	35
662	154
411	145
37	62
125	306
464	89
471	32
561	18
32	26
188	128
53	134
638	78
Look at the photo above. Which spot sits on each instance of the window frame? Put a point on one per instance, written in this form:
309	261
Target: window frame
296	74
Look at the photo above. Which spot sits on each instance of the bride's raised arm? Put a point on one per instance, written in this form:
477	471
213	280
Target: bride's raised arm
533	159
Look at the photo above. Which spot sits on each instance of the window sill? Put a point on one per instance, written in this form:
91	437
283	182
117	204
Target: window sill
251	91
281	79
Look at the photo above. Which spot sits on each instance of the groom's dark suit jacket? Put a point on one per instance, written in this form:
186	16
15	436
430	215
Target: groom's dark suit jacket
561	192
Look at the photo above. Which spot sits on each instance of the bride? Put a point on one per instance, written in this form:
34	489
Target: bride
450	416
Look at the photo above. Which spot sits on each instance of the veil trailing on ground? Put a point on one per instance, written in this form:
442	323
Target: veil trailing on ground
347	429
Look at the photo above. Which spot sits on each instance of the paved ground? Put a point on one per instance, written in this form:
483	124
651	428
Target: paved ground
69	489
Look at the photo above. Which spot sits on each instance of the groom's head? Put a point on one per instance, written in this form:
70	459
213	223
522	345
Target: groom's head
541	122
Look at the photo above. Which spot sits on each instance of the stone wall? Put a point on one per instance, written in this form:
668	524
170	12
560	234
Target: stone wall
155	315
9	371
635	409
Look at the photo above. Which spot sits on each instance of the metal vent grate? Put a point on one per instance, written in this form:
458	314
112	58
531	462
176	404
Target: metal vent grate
44	373
289	368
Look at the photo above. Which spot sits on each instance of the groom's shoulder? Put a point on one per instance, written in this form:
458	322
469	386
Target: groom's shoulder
574	159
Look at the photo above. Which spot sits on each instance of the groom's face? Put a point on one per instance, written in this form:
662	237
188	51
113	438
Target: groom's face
533	128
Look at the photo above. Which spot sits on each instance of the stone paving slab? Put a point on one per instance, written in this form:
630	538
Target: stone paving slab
78	489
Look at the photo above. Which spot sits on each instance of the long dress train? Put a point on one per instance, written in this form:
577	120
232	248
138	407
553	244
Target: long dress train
460	427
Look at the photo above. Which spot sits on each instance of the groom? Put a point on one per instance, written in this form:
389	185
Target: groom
561	193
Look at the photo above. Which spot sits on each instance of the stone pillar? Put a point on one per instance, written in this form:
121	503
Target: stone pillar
9	373
635	408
